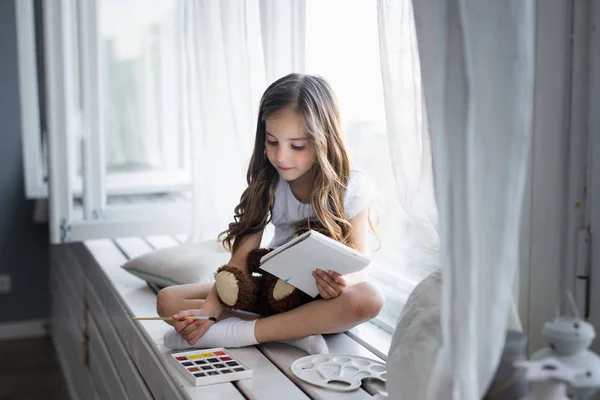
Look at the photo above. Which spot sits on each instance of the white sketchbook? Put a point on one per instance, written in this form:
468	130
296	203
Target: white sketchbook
295	261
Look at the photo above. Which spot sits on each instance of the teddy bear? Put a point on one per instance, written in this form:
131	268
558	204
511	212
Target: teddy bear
259	291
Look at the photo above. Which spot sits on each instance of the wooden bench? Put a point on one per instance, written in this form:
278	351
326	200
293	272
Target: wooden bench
106	355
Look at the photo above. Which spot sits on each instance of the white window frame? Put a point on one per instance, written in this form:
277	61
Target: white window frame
33	162
93	158
58	89
594	172
99	220
557	251
576	271
544	213
34	157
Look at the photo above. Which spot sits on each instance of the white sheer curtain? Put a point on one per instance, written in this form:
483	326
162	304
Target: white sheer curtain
224	77
477	74
283	33
409	142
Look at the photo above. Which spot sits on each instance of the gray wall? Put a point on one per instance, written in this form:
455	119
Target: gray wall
23	244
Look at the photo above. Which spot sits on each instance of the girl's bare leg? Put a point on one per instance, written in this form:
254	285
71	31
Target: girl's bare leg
298	327
357	304
174	299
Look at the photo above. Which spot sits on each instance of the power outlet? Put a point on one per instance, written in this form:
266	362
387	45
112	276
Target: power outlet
5	285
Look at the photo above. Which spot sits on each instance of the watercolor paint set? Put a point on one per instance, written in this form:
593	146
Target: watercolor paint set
210	366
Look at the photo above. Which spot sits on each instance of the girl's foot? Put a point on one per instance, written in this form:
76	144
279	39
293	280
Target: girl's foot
235	332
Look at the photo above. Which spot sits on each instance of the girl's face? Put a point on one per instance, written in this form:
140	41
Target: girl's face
288	148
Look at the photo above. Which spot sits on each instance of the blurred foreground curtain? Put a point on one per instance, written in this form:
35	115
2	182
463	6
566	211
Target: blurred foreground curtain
476	70
224	78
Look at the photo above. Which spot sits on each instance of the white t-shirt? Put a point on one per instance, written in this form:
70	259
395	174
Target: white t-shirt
288	211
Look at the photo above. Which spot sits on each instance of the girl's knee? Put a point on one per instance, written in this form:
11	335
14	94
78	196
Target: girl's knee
365	302
165	301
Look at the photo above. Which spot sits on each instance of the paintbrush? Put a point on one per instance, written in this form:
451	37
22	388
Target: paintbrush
196	317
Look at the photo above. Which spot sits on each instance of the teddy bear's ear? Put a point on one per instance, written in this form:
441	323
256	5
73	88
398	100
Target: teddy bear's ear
236	289
282	296
253	260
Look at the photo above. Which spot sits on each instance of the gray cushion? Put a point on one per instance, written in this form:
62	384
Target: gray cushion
188	263
416	341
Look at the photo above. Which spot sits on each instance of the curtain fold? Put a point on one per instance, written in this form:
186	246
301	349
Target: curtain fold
476	64
218	107
283	36
409	142
480	106
224	75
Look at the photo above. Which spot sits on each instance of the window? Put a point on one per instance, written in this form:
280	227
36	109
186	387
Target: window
115	113
342	45
137	45
139	73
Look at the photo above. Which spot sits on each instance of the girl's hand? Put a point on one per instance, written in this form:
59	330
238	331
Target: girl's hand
330	284
190	329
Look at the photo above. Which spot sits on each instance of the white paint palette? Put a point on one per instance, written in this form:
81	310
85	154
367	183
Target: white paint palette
341	372
210	366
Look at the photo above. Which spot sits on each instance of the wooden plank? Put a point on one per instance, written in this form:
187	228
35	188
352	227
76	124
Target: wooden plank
162	241
62	258
78	379
101	364
67	342
62	261
343	344
67	311
124	296
65	366
100	381
268	381
134	384
65	285
373	338
60	324
133	247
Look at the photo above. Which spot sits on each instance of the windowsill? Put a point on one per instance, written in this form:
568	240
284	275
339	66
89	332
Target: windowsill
373	338
127	183
271	362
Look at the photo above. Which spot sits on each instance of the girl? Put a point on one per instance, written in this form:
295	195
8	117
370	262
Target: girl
299	169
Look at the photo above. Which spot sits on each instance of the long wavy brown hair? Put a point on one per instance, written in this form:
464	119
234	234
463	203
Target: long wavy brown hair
313	99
